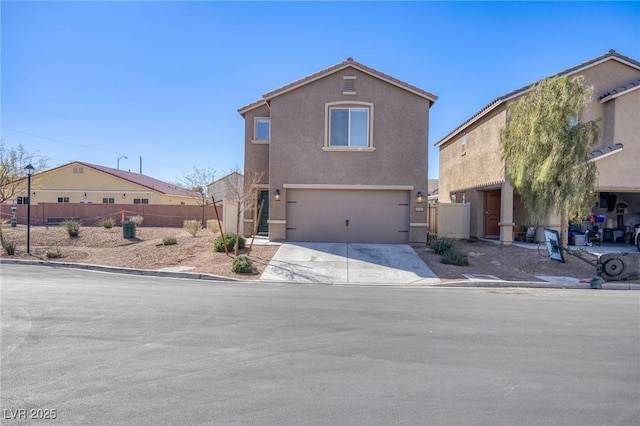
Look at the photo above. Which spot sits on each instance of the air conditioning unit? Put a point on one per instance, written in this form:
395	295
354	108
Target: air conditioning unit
619	266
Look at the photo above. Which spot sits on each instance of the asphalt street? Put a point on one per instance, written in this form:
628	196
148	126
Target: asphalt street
96	348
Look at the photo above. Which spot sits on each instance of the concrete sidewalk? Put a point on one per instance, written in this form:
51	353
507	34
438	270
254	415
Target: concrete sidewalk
348	263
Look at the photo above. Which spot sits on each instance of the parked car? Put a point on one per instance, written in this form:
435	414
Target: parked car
637	236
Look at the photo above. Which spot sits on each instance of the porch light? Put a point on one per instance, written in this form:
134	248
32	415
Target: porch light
419	197
277	197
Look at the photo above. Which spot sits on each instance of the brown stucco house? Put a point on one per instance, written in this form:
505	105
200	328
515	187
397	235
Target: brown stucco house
343	154
472	170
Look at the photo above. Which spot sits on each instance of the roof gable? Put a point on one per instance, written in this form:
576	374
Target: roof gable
611	55
348	63
136	178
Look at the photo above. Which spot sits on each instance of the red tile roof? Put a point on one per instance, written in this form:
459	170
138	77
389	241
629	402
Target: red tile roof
137	178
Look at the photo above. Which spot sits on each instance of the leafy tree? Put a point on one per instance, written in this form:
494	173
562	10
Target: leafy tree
12	173
546	149
197	182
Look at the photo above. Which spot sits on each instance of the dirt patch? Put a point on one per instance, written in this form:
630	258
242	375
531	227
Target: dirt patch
107	247
510	263
100	246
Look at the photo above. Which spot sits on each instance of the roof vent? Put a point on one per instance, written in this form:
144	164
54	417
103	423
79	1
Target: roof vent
350	59
612	51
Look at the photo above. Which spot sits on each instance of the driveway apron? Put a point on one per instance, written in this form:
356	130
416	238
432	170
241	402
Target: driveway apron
348	263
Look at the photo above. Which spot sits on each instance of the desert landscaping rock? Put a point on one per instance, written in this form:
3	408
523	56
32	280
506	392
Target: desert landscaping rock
100	246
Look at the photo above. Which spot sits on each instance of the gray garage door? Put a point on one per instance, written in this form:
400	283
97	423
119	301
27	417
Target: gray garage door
357	216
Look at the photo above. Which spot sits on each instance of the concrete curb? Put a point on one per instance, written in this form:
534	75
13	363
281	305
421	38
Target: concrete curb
118	270
614	285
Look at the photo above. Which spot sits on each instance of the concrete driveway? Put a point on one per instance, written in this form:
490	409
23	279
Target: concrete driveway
348	263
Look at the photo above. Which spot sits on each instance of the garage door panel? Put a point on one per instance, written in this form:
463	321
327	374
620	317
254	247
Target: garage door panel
348	215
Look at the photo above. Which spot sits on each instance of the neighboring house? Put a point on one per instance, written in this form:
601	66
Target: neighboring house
344	157
472	170
228	209
85	183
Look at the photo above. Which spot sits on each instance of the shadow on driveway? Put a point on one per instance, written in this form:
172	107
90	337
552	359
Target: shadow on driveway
348	263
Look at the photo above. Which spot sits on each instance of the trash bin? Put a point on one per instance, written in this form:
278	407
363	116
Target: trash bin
129	229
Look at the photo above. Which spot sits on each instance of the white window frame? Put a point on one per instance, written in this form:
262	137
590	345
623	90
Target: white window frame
255	139
327	129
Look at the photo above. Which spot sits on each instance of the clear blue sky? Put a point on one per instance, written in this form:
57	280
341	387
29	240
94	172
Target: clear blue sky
163	80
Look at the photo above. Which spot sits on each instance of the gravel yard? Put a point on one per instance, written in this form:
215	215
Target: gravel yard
100	246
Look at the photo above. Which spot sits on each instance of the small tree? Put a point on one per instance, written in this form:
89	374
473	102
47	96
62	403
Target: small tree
241	192
12	173
198	183
546	149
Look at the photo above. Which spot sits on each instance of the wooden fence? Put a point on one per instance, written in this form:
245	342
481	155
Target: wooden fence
155	215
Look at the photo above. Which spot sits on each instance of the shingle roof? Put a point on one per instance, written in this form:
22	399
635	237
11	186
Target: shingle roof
349	62
609	149
611	54
619	91
137	178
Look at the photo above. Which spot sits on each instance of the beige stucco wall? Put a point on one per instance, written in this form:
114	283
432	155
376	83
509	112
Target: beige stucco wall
63	182
400	131
480	165
621	171
605	77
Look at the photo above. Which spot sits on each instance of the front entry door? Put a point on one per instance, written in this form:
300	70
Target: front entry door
492	214
263	227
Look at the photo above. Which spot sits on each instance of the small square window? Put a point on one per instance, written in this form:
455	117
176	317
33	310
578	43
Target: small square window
108	200
262	129
63	199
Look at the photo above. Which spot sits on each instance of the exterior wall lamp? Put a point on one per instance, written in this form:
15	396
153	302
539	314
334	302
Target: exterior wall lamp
419	197
277	197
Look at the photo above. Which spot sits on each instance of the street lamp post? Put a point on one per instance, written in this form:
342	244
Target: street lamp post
29	170
119	158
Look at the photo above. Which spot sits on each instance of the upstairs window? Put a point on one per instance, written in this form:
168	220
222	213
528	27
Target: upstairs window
349	127
23	200
140	201
463	143
63	199
262	129
108	200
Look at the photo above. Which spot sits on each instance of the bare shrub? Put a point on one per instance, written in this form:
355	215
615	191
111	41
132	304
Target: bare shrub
192	226
213	226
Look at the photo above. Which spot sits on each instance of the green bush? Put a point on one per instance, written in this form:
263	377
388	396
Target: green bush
242	265
192	226
10	248
107	222
72	227
53	253
440	246
169	241
454	257
230	239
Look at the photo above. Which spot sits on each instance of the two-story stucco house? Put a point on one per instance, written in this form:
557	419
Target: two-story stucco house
472	169
343	154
